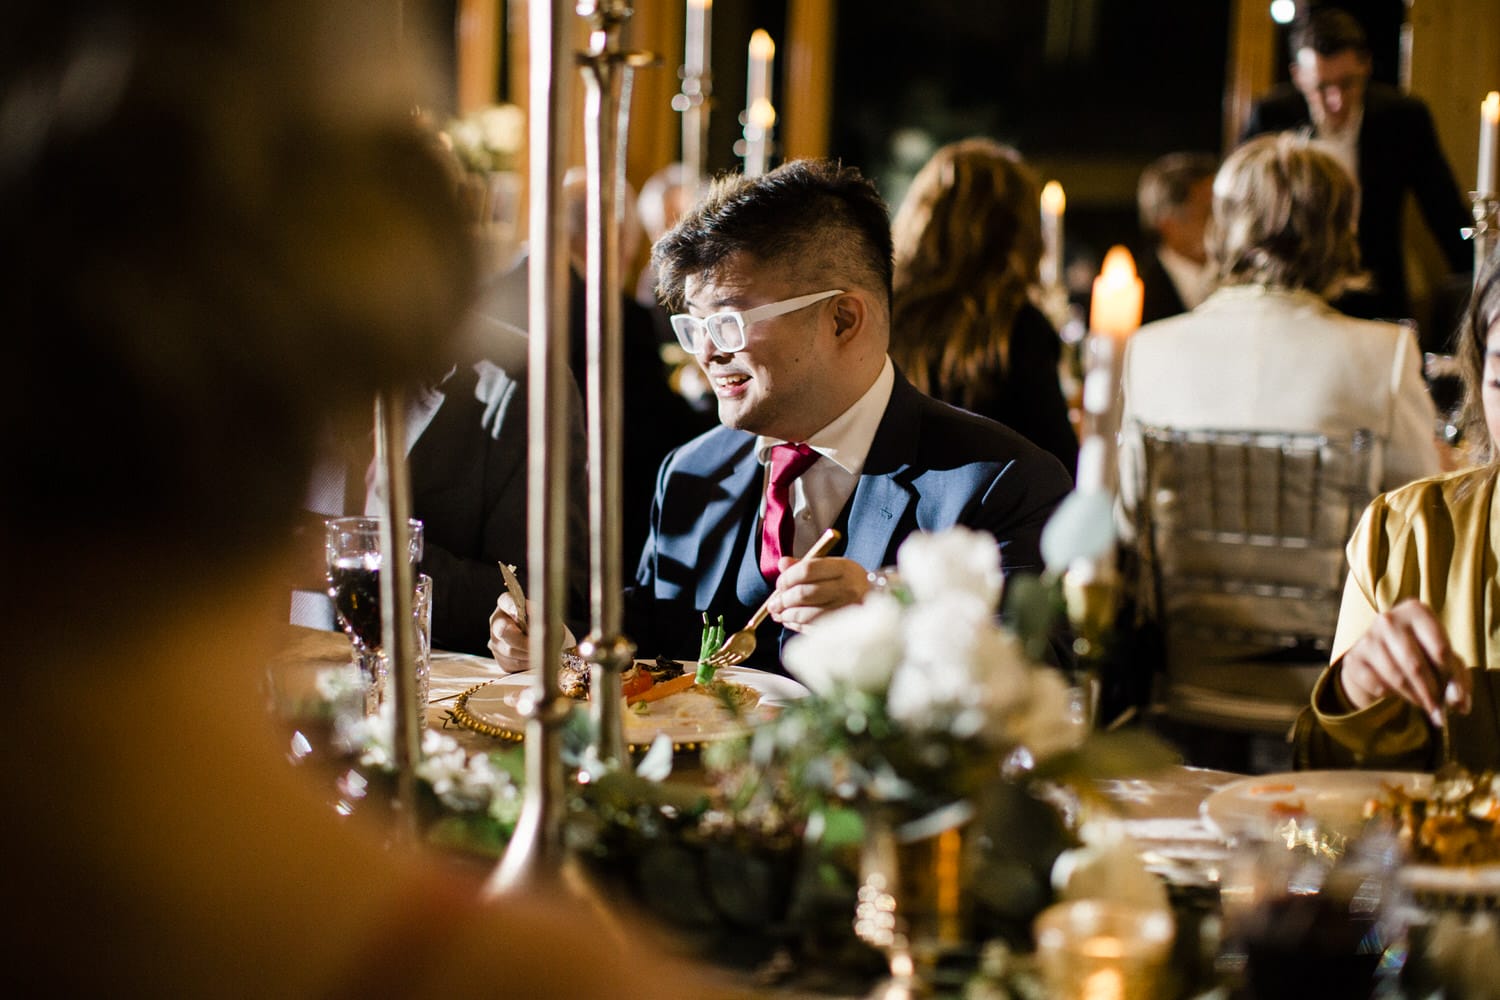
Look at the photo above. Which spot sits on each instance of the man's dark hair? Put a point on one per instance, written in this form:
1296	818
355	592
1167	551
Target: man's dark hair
1328	31
1167	183
822	218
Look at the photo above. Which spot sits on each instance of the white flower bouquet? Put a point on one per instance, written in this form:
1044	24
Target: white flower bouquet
919	694
489	139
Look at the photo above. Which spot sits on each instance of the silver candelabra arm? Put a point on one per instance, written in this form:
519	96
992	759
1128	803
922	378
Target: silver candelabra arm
1486	228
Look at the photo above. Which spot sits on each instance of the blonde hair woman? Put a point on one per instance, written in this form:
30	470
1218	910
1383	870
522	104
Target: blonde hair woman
968	244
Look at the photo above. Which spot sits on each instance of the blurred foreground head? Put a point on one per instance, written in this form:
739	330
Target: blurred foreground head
227	227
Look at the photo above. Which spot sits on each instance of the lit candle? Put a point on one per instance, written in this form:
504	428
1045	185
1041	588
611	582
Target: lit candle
759	114
1115	310
1489	124
696	57
1053	203
1106	984
758	86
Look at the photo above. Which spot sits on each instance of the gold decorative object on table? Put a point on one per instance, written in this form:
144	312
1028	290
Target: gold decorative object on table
918	697
913	902
1093	949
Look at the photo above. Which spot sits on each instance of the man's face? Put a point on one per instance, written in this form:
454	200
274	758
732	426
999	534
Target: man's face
779	383
1333	85
1184	230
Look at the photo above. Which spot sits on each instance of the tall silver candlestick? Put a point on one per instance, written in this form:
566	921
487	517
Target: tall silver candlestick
606	72
536	851
397	584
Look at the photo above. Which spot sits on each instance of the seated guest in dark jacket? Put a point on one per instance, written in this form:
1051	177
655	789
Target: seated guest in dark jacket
783	288
968	247
1175	197
466	442
1387	141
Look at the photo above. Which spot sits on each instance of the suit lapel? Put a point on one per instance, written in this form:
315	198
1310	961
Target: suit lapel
880	499
732	507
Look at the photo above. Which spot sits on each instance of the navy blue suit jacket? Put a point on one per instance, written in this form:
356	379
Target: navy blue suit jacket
931	466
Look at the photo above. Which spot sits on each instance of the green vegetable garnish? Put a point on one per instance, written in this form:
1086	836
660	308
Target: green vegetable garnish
708	645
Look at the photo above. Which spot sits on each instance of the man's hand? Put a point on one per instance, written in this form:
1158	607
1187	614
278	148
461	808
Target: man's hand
508	641
808	589
1406	653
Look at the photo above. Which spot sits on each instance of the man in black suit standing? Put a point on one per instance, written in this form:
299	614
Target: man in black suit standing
1175	196
1385	138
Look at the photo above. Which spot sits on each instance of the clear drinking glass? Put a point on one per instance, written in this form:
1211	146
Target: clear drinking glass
1102	948
354	564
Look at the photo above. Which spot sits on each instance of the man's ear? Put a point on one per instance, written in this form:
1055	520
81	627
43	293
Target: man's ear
849	314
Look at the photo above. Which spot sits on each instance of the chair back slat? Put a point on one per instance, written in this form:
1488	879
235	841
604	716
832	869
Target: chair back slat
1241	539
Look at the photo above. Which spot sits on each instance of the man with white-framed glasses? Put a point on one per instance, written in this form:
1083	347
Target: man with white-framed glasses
726	328
781	290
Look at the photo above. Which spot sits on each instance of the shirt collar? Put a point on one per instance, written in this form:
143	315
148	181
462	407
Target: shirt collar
846	440
1192	280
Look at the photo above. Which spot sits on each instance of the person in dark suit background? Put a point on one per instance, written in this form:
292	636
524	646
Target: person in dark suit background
785	286
466	460
1175	198
1387	141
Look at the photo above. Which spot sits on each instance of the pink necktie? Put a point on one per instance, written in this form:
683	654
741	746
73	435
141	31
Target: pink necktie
788	461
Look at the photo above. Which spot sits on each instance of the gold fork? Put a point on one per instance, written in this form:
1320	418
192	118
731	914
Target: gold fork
738	647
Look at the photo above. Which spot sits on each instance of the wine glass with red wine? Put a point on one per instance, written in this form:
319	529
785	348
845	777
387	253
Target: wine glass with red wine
354	564
1315	918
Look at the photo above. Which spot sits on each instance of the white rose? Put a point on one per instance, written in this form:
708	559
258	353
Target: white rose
945	648
466	135
502	126
855	647
935	566
1048	724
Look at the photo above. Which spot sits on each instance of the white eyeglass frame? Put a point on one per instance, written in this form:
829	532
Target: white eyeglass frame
727	328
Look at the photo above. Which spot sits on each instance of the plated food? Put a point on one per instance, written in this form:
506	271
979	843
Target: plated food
1333	800
736	699
1453	822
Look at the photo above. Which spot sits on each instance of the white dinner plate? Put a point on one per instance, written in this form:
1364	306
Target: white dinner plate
689	718
1335	800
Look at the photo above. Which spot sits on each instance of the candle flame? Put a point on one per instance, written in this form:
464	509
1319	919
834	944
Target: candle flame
761	46
1491	106
762	115
1119	266
1053	199
1115	309
701	4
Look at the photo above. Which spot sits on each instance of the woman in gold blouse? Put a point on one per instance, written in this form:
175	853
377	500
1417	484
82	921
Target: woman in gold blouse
1418	641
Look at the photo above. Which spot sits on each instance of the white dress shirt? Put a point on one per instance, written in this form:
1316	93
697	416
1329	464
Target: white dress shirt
1192	280
820	493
